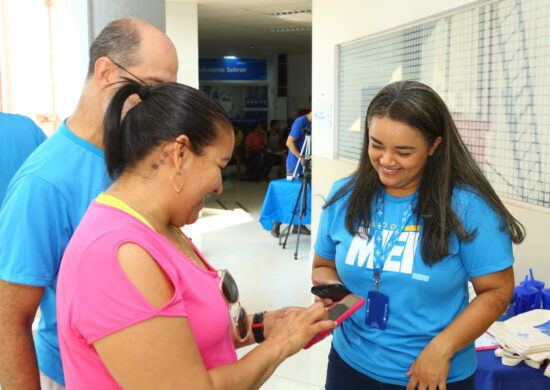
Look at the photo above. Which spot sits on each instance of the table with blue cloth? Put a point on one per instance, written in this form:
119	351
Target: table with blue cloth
491	374
279	203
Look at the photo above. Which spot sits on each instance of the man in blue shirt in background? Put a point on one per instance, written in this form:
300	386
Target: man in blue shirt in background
19	136
49	194
295	142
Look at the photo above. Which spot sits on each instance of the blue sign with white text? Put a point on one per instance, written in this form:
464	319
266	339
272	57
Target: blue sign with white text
232	69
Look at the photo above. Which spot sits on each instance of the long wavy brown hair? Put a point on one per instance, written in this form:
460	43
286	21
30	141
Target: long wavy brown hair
451	166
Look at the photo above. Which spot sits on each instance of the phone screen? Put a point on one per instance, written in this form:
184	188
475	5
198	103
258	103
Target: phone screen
342	306
339	312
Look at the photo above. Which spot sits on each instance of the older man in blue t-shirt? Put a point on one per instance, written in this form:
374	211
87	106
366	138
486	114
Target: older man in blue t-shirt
49	194
19	136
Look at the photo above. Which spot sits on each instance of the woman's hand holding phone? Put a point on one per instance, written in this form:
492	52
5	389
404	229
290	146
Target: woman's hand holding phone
336	292
338	312
292	332
321	284
329	293
271	317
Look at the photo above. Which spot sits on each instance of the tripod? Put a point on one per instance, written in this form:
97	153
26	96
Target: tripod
300	206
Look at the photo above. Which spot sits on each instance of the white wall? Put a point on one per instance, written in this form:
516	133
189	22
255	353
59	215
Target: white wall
27	71
533	252
298	82
71	42
347	20
182	28
25	59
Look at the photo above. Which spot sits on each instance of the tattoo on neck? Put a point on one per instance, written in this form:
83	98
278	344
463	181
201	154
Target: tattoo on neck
161	162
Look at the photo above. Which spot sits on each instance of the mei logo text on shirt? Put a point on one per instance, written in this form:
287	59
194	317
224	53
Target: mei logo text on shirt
401	257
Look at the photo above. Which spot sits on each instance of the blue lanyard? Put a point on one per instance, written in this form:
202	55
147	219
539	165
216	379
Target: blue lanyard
382	251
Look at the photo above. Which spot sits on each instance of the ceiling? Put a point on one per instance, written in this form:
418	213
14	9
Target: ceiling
243	27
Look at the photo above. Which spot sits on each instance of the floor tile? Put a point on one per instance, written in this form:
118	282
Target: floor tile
280	383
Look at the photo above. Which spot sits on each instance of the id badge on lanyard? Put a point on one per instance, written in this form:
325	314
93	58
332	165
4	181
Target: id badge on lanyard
378	303
378	309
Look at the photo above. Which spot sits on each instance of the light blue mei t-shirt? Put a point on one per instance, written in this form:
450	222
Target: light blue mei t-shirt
422	300
19	136
44	204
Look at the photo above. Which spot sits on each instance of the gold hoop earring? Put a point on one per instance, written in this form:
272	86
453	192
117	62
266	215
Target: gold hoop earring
178	190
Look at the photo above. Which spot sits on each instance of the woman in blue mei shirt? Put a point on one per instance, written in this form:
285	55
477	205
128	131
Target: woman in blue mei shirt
406	231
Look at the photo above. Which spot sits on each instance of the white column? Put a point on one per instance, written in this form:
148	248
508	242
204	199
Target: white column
182	28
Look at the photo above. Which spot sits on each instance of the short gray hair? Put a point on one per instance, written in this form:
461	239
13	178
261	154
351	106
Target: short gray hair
119	41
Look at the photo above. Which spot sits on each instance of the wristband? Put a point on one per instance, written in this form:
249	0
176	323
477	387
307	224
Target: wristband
258	327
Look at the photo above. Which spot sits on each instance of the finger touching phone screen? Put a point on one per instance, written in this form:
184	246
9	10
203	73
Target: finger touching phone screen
338	312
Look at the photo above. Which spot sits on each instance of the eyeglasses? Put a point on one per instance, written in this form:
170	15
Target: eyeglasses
239	317
127	71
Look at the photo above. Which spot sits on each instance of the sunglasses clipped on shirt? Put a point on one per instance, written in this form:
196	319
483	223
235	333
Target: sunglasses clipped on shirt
239	317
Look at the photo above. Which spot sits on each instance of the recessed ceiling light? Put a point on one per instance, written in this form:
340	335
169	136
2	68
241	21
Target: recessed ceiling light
230	57
283	14
291	29
303	16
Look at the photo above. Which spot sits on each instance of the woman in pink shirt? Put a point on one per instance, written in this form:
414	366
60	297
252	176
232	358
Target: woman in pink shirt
138	306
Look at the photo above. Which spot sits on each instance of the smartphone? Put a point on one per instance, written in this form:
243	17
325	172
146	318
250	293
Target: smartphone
335	292
338	312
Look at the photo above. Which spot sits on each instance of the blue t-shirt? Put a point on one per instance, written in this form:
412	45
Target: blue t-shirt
422	300
44	204
19	136
296	132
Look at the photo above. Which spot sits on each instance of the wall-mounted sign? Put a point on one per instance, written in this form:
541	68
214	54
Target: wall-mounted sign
241	69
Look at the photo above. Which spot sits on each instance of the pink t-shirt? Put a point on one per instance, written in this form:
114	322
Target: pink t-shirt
95	297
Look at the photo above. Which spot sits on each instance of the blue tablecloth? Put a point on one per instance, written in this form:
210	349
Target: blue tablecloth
492	375
279	203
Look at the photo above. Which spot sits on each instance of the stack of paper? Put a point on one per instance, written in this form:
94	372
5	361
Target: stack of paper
525	337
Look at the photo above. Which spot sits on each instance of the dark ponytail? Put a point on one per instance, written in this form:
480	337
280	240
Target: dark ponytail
166	111
113	139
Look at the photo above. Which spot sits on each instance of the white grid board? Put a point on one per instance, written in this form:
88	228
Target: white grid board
491	65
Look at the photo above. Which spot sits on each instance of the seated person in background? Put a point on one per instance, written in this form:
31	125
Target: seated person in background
238	150
276	150
19	136
256	143
138	306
